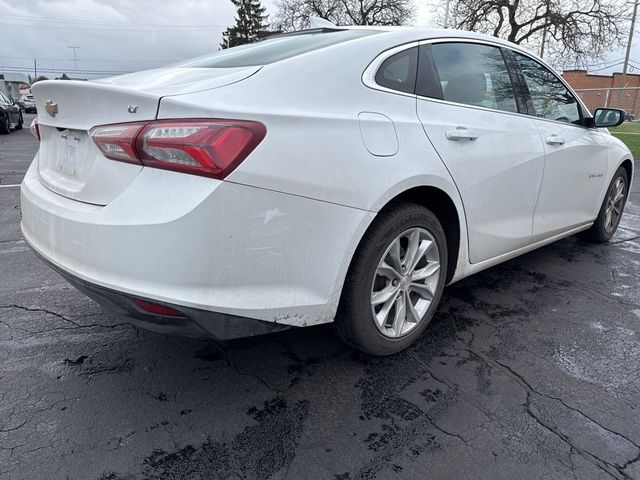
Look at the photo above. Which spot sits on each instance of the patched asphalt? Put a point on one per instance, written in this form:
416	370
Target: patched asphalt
528	371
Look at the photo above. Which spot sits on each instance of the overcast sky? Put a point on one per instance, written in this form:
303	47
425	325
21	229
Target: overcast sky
116	36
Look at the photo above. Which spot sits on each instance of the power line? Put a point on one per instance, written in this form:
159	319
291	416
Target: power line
86	60
106	28
606	62
100	22
605	68
18	69
603	65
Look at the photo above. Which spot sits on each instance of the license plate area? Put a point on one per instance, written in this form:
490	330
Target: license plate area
67	158
74	167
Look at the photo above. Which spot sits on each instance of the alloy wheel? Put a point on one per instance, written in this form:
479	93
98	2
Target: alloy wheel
615	203
405	282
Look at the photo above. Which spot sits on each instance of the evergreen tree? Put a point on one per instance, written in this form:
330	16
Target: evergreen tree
250	24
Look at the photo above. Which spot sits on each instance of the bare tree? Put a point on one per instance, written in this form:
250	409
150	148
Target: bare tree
572	30
294	14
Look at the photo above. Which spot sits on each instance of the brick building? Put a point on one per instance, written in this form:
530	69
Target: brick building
606	90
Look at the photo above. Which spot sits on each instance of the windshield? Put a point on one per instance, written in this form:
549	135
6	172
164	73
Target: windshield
274	49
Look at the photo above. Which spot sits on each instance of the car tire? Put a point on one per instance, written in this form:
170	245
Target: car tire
605	226
366	322
5	127
20	122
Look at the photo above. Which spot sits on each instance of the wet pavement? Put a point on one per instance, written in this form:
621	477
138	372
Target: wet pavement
529	370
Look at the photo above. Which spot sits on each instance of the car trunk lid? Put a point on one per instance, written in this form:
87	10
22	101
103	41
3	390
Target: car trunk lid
69	163
179	80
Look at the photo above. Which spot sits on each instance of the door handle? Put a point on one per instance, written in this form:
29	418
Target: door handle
554	140
461	133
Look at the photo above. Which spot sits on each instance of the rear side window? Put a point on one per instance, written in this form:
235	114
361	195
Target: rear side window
550	99
398	72
275	49
474	74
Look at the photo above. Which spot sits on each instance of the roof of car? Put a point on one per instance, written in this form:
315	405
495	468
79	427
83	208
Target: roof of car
430	32
406	34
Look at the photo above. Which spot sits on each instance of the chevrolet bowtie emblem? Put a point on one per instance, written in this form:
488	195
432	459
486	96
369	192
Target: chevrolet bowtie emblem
51	107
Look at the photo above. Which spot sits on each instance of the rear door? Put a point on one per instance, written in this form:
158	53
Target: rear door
575	156
472	116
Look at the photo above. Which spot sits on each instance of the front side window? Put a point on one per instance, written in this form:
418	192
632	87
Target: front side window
474	74
398	72
550	99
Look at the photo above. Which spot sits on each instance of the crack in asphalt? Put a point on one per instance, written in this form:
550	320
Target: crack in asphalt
426	414
593	459
590	289
625	240
612	469
257	376
13	429
442	430
76	325
569	407
453	388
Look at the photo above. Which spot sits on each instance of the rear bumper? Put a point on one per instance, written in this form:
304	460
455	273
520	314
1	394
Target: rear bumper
201	244
193	323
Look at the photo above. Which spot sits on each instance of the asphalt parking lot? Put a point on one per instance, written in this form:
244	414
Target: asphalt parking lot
530	370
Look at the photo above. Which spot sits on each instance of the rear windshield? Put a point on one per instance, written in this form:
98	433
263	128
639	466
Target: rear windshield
274	49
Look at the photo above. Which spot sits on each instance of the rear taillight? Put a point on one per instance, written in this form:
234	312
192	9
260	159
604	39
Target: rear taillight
211	148
35	129
117	142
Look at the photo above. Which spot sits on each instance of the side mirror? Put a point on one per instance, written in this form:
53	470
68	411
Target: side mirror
608	117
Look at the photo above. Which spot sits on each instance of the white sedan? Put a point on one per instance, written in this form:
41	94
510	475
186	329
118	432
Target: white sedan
333	174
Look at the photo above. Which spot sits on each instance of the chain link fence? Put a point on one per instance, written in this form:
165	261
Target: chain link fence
627	99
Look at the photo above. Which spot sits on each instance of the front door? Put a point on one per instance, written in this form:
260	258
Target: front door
575	157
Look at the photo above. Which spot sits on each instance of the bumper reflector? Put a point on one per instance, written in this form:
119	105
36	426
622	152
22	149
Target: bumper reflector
157	309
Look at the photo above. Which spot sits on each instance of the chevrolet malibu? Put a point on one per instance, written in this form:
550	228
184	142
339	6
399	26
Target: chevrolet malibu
330	175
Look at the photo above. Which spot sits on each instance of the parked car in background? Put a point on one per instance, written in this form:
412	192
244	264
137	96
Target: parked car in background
29	103
628	116
18	102
341	174
10	114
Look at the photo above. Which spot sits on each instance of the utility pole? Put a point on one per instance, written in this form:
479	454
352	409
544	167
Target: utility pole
544	41
446	13
35	69
626	57
75	58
